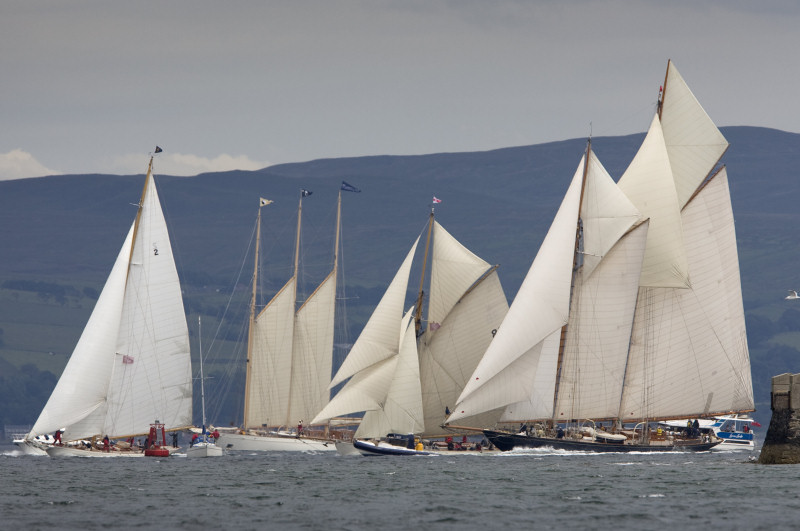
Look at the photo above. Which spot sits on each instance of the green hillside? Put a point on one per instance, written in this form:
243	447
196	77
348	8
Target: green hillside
61	235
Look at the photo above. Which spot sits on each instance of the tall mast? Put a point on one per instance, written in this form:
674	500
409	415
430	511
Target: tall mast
139	212
575	256
202	381
248	374
418	315
338	229
294	298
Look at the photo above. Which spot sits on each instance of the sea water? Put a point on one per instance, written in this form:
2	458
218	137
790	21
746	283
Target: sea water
515	490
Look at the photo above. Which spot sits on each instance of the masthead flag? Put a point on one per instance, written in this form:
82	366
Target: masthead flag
304	192
349	187
436	200
158	149
265	202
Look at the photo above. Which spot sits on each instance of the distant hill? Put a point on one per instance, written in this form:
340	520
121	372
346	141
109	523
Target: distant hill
66	231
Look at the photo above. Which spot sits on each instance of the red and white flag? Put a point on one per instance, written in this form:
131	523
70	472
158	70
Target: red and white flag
436	200
127	360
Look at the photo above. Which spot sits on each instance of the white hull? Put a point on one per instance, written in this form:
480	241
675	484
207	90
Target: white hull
274	443
69	451
29	448
736	445
347	449
204	450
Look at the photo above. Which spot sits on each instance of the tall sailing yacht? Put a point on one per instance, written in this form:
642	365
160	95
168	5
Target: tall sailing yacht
405	371
131	367
571	354
289	359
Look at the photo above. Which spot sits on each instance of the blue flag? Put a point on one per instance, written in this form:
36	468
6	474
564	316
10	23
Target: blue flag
349	187
158	149
304	192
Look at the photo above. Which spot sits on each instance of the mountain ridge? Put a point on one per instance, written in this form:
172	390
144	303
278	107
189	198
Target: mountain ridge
499	203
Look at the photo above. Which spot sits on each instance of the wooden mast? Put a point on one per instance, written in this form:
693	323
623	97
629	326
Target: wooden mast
578	239
139	212
248	374
294	299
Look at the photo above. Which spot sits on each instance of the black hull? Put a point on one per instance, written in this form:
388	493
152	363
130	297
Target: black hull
505	441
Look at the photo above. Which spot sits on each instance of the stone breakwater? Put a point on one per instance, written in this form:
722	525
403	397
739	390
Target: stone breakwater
782	442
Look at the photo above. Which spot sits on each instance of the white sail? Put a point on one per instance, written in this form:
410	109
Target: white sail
78	402
525	337
596	346
401	410
449	355
290	350
466	304
365	391
606	214
131	365
371	362
271	360
600	304
649	184
380	338
154	381
693	142
675	346
454	269
312	354
689	353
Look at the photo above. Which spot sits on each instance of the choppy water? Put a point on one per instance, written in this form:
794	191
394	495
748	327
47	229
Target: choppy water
523	490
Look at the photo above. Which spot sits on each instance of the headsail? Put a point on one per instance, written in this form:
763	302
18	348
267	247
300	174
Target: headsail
693	142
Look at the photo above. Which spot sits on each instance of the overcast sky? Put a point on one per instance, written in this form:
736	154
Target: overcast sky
93	86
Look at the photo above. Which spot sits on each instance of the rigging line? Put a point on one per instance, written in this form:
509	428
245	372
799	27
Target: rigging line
233	290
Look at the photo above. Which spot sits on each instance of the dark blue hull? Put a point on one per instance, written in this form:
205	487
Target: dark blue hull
508	441
372	449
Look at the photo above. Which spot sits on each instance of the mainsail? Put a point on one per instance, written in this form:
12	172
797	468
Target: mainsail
131	365
405	375
290	351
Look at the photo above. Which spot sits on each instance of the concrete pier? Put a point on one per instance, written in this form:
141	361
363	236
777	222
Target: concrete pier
782	443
